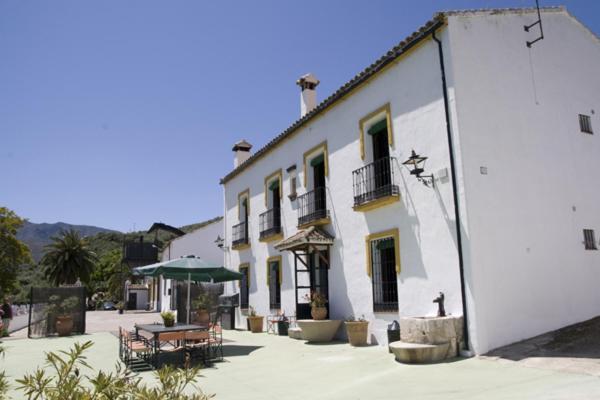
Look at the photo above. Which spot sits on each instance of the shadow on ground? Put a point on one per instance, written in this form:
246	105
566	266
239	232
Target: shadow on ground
230	350
580	340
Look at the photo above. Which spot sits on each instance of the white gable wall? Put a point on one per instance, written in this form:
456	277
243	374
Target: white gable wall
517	112
200	243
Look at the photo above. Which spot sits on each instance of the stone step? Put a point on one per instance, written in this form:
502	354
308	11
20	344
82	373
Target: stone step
295	333
417	353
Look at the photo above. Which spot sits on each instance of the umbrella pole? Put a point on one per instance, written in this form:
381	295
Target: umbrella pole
187	319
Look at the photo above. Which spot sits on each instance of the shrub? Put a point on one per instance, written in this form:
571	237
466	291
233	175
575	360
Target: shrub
62	379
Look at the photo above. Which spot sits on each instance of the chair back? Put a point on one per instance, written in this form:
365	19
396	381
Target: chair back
197	335
170	336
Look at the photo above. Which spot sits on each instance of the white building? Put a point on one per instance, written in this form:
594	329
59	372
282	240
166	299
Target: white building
201	243
507	132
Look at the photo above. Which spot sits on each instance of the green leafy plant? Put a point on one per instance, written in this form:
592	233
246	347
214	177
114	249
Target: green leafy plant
68	258
62	379
65	307
253	312
352	318
168	318
120	305
203	302
316	299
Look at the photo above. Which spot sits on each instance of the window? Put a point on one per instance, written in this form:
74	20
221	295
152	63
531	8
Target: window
293	185
274	282
313	157
378	121
585	124
240	238
589	239
383	261
244	286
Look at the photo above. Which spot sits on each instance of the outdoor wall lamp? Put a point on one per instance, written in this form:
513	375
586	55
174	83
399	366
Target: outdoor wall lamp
220	242
418	163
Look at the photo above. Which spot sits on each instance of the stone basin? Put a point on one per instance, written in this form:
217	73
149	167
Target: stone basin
428	339
319	330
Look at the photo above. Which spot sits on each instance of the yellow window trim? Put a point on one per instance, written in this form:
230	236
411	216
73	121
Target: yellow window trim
269	261
369	118
241	195
393	233
279	175
245	266
315	151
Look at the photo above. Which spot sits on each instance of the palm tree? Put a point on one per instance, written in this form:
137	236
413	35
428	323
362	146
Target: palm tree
68	258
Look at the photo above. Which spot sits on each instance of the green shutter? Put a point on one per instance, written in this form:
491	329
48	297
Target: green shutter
317	160
274	185
385	244
378	127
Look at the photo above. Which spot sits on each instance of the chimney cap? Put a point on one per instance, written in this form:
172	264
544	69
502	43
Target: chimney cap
308	81
242	145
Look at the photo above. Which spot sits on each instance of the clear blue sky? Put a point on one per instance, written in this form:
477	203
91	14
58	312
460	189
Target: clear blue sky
115	113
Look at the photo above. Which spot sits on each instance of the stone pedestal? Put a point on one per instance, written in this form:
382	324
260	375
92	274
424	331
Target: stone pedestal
319	330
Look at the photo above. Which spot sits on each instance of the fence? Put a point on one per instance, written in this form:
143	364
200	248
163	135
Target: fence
48	304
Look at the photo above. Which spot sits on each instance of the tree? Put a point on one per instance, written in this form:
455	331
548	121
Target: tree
68	258
13	252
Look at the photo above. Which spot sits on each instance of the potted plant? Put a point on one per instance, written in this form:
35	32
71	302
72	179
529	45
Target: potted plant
317	301
120	307
63	313
256	321
283	323
168	318
357	330
203	304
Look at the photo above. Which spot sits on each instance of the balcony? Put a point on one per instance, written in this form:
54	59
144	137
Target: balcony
375	184
239	239
270	225
312	208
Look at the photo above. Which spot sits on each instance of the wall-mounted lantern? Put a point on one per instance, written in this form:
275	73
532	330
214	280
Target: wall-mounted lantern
416	164
220	242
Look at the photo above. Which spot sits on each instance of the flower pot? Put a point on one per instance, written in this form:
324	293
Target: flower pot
282	328
120	311
256	324
169	322
357	332
318	313
64	325
203	316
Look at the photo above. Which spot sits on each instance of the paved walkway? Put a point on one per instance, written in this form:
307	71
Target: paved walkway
261	366
266	366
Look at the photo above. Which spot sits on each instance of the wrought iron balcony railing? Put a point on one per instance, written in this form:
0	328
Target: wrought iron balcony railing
239	234
374	181
312	206
270	222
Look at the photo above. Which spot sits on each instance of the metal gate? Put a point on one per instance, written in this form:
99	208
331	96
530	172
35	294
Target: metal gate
46	304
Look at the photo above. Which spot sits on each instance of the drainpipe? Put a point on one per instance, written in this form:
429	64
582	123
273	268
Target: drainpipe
461	266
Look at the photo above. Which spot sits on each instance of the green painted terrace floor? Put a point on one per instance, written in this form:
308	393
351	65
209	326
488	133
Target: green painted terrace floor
261	366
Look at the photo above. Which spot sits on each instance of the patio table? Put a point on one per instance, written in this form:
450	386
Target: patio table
157	328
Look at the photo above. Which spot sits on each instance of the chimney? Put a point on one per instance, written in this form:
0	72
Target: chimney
242	152
308	96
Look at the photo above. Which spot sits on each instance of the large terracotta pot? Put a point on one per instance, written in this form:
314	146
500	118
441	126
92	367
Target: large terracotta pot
203	316
357	332
318	313
256	324
64	325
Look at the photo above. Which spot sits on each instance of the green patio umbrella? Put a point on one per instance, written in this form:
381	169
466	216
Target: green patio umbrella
190	268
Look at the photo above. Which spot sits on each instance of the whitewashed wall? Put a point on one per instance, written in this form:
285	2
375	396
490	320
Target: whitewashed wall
517	112
424	215
200	243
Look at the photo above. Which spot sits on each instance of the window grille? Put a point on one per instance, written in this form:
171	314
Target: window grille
585	124
274	286
383	275
589	239
244	288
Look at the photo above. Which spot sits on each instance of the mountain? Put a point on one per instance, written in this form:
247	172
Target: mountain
36	236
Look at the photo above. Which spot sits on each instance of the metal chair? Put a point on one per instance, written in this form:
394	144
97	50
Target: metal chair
170	349
197	345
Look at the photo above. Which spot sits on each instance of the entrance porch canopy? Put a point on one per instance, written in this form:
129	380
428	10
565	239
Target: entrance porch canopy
311	237
308	245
